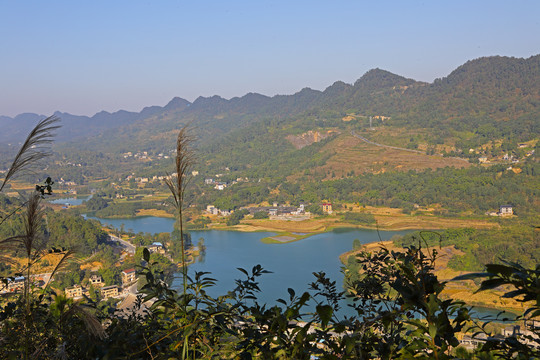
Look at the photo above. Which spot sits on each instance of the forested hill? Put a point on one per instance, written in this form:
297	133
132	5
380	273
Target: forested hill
490	97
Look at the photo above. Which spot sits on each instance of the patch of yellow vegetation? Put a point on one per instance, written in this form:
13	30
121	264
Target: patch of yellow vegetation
93	266
18	185
154	212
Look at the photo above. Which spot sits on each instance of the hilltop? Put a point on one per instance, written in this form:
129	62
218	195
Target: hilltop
486	111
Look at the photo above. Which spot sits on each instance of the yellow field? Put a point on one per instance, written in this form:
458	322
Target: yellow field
351	153
154	212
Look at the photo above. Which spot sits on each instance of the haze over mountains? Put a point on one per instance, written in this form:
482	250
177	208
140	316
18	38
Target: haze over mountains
498	91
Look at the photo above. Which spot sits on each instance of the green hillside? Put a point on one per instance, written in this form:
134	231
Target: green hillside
485	112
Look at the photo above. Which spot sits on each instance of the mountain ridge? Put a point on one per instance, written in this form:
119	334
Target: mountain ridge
488	89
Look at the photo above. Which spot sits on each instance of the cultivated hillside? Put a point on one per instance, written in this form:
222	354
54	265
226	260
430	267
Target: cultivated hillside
485	104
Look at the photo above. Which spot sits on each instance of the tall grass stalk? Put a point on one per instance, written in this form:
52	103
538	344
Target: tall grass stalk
185	159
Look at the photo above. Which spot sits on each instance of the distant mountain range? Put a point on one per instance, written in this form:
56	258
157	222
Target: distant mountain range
500	92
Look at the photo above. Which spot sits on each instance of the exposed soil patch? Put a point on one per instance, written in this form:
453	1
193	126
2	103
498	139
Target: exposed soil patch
308	138
283	238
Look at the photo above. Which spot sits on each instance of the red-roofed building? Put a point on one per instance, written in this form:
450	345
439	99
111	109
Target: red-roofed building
327	208
128	276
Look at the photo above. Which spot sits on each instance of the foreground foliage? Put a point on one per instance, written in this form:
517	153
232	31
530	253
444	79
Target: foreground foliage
398	314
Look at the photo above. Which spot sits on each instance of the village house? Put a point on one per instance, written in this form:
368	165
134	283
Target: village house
16	284
156	247
109	291
327	207
128	276
220	186
272	211
74	291
506	210
96	280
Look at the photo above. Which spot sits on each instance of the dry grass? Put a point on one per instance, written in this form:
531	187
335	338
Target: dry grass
154	212
93	266
351	153
22	186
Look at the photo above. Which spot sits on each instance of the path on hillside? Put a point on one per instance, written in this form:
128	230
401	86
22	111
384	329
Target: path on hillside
129	247
400	148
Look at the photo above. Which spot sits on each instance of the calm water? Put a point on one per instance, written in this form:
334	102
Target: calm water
292	264
145	224
71	201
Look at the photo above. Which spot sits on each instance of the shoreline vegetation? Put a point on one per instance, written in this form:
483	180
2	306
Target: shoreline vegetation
463	290
291	231
385	219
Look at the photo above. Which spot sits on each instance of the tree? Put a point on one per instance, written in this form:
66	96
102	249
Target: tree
261	215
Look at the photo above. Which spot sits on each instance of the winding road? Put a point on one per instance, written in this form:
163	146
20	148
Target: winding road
400	148
128	247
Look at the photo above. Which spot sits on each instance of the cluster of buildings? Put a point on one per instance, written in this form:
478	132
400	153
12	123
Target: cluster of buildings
66	183
67	163
218	185
143	180
274	210
76	291
506	157
221	185
212	210
525	334
14	285
143	155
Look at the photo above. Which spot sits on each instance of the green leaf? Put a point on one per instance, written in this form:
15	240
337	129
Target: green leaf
291	293
244	271
471	276
146	255
491	284
499	269
325	313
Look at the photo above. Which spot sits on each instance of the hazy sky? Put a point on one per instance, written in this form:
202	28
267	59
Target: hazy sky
85	56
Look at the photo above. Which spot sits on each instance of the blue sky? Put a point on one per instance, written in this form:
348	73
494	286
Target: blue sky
85	56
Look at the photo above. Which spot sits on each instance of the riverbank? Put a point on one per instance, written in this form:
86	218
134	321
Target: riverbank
457	290
386	219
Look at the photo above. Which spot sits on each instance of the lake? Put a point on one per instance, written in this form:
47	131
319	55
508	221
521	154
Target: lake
71	201
292	264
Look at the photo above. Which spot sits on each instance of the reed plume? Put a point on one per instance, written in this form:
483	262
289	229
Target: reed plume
34	148
185	159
